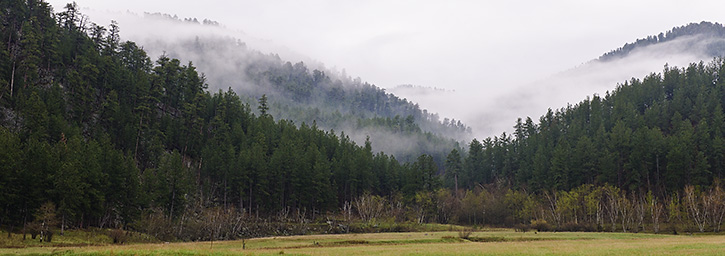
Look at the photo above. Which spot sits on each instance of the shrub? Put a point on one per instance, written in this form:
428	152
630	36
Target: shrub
522	228
49	236
34	229
465	233
577	227
540	225
118	236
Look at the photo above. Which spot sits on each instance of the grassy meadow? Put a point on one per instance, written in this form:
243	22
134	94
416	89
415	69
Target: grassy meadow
496	242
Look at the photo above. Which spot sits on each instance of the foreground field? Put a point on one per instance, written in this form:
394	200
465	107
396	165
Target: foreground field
420	243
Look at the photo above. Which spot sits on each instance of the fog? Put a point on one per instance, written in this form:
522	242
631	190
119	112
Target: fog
226	57
160	33
496	61
492	114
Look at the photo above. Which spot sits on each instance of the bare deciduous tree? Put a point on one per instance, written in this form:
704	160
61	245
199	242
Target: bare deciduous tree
347	211
656	210
640	208
695	207
46	219
369	207
612	205
714	206
553	206
626	210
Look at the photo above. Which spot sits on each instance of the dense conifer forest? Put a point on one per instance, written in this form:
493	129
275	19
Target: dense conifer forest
711	34
95	127
656	134
306	92
94	133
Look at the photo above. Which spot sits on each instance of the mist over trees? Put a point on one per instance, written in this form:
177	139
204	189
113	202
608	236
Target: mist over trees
93	133
645	157
532	99
710	33
113	139
307	92
657	134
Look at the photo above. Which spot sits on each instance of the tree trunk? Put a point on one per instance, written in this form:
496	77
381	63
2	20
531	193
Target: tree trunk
656	210
250	198
138	138
225	191
657	162
613	211
62	225
12	80
173	198
455	178
693	207
25	223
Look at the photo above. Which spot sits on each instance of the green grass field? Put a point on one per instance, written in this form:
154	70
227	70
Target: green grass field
419	243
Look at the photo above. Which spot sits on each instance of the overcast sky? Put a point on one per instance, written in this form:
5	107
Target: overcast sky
473	47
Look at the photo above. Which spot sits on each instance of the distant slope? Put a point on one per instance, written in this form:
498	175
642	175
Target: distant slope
93	130
705	38
305	93
678	47
658	133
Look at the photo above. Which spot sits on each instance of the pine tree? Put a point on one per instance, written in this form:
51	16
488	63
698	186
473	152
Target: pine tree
453	167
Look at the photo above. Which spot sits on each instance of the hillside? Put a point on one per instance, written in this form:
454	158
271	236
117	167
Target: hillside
704	38
659	133
301	92
95	133
684	45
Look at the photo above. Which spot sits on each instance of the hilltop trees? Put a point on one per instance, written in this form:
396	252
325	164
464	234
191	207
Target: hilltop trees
703	30
653	134
647	150
112	139
93	133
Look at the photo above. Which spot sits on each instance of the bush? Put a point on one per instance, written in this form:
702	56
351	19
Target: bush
49	236
34	229
465	233
522	228
118	236
577	227
540	225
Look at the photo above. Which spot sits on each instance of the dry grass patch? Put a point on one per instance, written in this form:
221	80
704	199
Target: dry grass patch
422	243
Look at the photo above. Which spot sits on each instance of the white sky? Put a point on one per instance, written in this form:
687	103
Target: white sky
474	47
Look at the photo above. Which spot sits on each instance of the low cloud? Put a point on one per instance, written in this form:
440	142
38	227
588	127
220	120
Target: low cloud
171	35
491	115
489	100
224	56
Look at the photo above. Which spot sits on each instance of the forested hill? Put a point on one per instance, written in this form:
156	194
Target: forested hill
704	38
93	126
656	134
303	92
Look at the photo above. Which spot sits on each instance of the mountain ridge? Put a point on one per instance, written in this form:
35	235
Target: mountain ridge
311	93
705	29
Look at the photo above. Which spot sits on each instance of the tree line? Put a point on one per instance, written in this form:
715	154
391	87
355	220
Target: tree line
584	208
704	29
96	134
108	138
304	92
657	134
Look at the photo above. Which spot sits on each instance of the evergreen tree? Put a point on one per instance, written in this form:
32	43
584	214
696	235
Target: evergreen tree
453	167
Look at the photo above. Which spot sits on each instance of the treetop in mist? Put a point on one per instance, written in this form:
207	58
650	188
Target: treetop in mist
707	29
